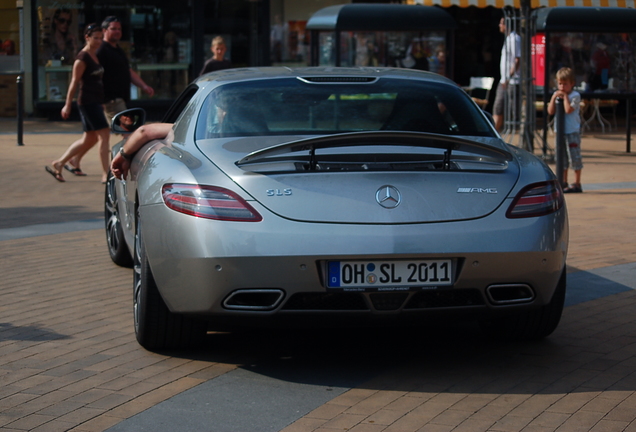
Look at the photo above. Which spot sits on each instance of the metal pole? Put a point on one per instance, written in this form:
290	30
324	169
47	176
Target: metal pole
546	94
629	125
337	42
20	108
253	22
20	84
527	81
560	140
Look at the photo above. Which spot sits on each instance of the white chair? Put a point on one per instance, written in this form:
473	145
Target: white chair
479	90
596	106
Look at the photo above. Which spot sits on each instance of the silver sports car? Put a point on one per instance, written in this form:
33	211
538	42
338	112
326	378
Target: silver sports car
335	196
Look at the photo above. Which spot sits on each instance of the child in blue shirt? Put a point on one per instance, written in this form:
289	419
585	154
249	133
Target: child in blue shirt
571	103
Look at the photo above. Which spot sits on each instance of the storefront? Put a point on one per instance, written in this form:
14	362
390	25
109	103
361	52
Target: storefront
289	37
599	46
394	35
9	58
369	43
167	42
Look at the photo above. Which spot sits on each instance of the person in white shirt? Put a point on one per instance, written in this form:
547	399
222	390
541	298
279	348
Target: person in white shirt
509	70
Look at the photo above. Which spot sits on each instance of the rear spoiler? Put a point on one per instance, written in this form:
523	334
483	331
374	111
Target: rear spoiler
379	138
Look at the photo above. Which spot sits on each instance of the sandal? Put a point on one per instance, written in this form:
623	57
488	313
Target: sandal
57	175
76	171
575	188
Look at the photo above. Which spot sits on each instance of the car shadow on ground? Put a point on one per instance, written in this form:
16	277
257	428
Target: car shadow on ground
585	353
445	369
318	356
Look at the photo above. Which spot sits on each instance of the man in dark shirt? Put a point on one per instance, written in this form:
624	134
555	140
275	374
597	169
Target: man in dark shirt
117	72
218	60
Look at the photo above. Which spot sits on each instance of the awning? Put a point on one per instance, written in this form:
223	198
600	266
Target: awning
585	19
380	17
533	3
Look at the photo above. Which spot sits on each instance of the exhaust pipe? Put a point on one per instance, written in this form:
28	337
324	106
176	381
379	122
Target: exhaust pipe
510	294
254	299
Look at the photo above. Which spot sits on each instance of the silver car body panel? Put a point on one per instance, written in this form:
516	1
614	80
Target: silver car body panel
427	196
195	275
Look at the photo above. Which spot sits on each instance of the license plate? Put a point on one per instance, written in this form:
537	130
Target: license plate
396	274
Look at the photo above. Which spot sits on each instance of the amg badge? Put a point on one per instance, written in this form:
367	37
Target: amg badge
477	190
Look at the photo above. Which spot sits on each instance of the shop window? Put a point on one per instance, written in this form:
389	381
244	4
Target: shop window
156	41
414	50
601	61
289	42
9	33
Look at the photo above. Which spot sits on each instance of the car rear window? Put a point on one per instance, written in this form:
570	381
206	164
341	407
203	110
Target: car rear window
291	106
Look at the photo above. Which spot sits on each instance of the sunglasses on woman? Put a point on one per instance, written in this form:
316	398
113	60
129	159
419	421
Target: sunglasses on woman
91	28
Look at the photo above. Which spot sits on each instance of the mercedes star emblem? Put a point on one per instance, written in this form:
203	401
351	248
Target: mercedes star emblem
388	197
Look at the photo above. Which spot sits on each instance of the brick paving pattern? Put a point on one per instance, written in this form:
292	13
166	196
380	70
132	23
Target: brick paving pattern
69	360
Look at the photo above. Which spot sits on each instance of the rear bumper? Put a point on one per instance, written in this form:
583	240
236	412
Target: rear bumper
198	263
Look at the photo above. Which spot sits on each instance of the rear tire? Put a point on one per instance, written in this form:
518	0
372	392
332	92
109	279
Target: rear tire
117	248
530	325
156	327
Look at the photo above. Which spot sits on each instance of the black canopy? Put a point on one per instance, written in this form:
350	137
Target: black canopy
381	17
586	19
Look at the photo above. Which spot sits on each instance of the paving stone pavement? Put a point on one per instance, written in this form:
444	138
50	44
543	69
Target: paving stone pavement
69	360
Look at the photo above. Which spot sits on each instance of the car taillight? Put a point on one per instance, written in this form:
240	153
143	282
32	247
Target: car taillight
538	199
208	202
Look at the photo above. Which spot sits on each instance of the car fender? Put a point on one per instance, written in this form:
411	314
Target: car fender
528	172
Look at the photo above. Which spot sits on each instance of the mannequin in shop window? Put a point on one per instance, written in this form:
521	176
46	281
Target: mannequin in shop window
8	47
600	67
170	53
365	50
168	79
63	42
416	57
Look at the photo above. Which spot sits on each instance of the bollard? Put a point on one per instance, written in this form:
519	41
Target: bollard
560	140
20	108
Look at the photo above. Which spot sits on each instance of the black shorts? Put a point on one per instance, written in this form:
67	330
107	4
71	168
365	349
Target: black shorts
93	117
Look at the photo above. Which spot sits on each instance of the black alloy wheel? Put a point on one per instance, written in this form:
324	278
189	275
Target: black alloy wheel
156	328
117	248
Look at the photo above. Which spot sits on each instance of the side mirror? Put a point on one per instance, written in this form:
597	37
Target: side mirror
128	121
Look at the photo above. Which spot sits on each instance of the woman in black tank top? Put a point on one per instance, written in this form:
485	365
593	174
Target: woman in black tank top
87	74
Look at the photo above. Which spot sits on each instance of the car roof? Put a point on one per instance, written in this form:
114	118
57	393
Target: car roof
273	72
